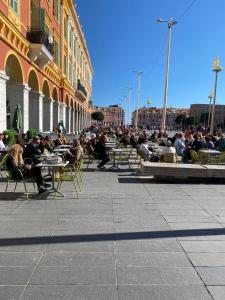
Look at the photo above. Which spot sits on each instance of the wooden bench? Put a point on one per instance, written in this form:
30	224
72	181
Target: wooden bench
160	169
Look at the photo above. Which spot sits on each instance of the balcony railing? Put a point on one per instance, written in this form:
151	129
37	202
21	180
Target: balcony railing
81	88
38	36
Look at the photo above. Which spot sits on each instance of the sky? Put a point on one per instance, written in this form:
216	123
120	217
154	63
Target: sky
123	36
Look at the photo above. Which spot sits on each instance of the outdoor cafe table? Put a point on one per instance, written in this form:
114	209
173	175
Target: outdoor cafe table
60	150
53	168
114	152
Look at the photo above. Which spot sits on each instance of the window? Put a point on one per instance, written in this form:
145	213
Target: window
65	29
56	9
65	65
56	53
14	5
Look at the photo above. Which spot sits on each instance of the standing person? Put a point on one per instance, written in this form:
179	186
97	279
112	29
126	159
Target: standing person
15	164
100	149
180	145
2	145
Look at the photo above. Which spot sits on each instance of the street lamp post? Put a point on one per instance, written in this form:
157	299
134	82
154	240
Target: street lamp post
216	68
139	73
210	107
149	101
170	24
128	101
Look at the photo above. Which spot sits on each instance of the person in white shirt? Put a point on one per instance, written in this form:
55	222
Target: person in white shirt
144	149
168	153
179	144
2	145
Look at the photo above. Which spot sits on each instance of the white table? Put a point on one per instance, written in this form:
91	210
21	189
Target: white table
53	167
116	151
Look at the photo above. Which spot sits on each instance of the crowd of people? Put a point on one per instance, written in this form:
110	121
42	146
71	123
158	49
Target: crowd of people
24	155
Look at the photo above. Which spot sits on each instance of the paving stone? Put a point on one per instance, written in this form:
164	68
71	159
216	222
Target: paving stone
73	276
15	276
66	292
10	292
153	275
19	259
152	259
190	219
212	275
217	292
203	246
162	292
67	258
186	226
207	259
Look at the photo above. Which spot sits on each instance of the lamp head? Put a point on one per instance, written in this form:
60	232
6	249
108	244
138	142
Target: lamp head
160	20
216	65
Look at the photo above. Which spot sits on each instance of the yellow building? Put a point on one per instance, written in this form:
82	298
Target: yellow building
45	65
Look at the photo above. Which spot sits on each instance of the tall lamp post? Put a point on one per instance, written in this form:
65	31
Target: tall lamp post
170	24
139	73
210	107
128	102
216	68
149	101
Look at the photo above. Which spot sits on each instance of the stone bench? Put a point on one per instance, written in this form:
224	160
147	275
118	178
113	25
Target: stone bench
160	169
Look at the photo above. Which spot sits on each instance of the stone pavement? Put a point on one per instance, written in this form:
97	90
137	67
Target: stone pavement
125	238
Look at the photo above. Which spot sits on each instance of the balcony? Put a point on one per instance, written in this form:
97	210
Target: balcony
81	92
41	47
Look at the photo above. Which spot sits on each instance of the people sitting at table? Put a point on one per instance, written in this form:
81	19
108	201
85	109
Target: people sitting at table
33	150
21	139
75	153
48	144
133	141
208	143
147	154
2	145
168	153
91	144
198	143
16	165
125	140
179	144
101	151
82	141
60	140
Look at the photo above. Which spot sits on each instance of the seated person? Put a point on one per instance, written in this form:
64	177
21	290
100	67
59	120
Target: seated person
101	151
75	153
60	140
180	144
168	153
15	164
2	145
47	144
197	143
144	150
91	143
208	143
33	150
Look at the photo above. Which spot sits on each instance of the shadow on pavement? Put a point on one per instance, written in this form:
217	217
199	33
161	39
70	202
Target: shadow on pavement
102	237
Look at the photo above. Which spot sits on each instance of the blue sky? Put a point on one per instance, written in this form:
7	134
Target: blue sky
122	36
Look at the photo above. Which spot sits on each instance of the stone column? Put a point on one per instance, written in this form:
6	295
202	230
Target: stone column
36	110
18	94
76	120
72	120
47	114
56	114
3	117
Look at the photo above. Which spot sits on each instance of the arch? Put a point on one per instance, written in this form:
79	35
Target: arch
55	94
13	68
45	89
33	82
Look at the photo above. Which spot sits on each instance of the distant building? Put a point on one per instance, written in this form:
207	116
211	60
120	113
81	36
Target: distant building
113	114
152	117
197	110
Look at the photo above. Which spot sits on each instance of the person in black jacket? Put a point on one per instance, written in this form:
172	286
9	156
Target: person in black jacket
100	149
33	150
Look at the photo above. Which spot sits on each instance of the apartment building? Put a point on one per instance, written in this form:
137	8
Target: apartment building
113	114
45	66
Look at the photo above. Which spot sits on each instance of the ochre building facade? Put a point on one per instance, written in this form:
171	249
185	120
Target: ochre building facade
45	66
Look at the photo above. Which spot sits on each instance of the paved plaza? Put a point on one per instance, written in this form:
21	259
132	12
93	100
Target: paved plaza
125	238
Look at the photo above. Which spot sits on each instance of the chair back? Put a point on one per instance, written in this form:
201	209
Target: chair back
194	156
